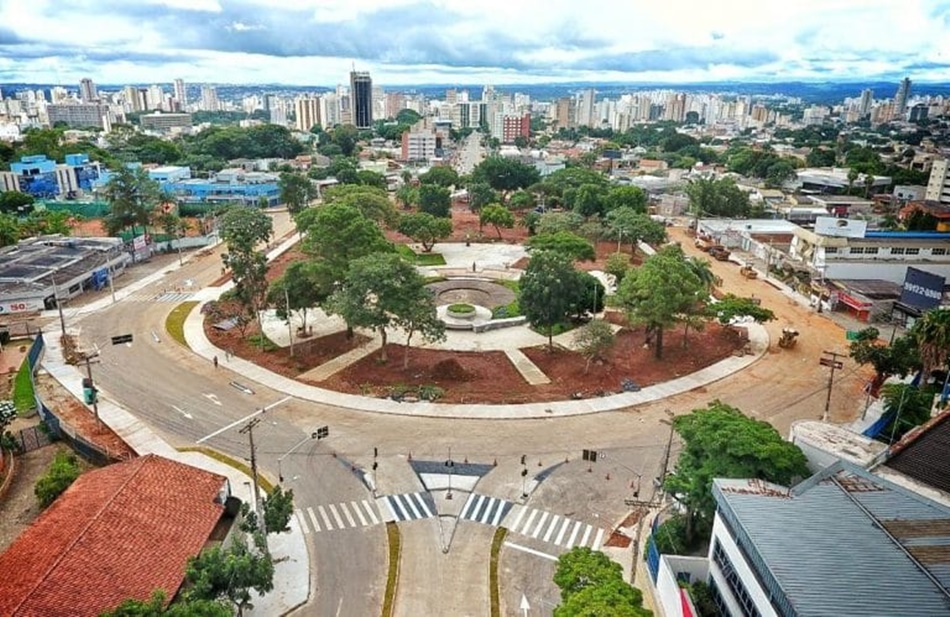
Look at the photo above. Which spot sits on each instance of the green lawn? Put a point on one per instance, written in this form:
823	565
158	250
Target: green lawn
23	397
392	577
175	322
420	259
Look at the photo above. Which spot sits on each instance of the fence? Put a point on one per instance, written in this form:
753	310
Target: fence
32	438
57	428
652	552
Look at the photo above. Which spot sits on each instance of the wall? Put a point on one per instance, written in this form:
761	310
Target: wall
668	591
887	271
746	574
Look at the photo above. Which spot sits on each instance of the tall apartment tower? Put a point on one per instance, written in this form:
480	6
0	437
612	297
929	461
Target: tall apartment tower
867	97
585	108
87	91
361	99
901	98
306	113
938	188
181	95
209	98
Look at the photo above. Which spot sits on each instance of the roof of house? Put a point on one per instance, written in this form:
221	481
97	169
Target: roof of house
844	542
924	454
118	532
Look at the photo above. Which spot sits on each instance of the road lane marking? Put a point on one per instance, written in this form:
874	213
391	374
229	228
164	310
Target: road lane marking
369	510
468	503
537	530
213	398
600	536
336	516
527	523
560	535
586	535
498	513
551	528
530	551
302	520
326	519
313	520
519	517
359	514
182	412
346	513
577	527
242	420
422	504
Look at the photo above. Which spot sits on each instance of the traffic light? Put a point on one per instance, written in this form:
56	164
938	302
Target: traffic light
523	459
375	452
322	433
375	465
524	472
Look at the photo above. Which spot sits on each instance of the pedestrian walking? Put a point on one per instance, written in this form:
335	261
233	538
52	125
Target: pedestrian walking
215	360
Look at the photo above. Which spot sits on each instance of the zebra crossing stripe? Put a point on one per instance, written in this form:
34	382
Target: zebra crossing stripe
537	530
403	509
390	507
488	510
577	527
468	504
527	523
422	504
326	519
477	508
302	521
586	535
410	499
346	513
336	516
518	518
313	520
600	536
560	535
359	513
369	510
551	528
499	512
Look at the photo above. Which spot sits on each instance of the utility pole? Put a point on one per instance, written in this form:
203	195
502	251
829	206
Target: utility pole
111	285
835	364
249	431
59	307
290	325
95	395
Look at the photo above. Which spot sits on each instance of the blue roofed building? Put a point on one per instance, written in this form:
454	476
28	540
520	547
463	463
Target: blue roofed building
46	179
225	187
844	542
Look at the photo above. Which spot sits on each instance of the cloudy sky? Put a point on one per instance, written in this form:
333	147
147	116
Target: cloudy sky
315	42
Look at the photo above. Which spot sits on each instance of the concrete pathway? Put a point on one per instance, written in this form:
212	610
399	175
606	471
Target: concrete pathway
337	364
528	369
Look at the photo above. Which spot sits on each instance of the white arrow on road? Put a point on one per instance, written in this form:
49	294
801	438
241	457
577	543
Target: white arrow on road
213	398
524	605
184	413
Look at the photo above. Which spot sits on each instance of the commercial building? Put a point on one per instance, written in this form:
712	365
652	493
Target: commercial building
938	187
227	186
833	180
209	99
514	127
901	98
361	99
165	122
79	115
419	144
117	533
181	94
42	178
87	91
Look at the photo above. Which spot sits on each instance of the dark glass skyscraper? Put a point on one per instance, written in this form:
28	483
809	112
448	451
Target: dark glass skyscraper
361	99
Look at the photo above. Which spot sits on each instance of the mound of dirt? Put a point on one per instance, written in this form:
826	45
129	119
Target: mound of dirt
450	369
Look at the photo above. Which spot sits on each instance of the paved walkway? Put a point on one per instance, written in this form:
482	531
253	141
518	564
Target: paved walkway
337	364
528	369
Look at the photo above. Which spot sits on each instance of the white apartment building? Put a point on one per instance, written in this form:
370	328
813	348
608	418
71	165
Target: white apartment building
419	144
938	188
306	113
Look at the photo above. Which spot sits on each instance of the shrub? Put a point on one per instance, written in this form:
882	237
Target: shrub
461	308
62	472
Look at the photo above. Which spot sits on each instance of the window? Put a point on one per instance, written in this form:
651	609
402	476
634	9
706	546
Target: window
912	251
939	251
897	250
739	592
857	250
870	250
831	250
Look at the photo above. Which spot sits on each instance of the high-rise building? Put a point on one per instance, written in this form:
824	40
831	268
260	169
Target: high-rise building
133	99
901	98
585	108
938	188
181	94
867	97
330	110
154	97
87	91
209	98
306	113
361	99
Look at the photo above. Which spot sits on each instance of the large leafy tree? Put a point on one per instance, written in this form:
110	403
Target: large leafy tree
230	574
505	174
587	200
440	176
626	224
480	194
720	197
15	202
435	200
721	442
497	216
565	242
9	229
425	229
907	407
592	586
155	606
382	291
296	192
339	234
899	358
626	197
932	332
303	285
549	291
242	230
659	292
278	508
731	307
132	198
371	201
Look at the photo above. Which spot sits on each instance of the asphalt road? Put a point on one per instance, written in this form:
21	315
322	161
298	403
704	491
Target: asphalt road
163	384
470	154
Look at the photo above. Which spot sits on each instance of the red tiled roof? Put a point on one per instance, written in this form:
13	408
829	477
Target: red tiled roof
117	533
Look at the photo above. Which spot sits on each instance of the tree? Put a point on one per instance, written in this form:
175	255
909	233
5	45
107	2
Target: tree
618	265
436	200
592	586
407	195
898	358
425	229
587	200
852	177
497	216
242	230
440	176
625	223
659	291
521	200
155	606
370	178
230	574
593	340
480	194
62	472
549	289
132	197
345	137
340	234
505	174
296	192
278	508
305	285
626	197
9	229
721	442
731	307
932	332
15	202
907	407
371	201
564	242
779	173
382	291
43	222
717	198
553	222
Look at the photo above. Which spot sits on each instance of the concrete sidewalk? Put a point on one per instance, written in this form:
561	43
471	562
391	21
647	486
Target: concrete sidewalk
289	550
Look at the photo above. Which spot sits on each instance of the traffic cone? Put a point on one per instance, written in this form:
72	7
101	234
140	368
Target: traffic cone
539	463
466	460
495	463
410	455
608	477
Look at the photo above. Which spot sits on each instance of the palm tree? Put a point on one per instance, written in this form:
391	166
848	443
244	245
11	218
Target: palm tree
932	332
852	176
703	271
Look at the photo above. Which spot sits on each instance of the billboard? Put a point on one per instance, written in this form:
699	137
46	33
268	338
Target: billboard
922	289
842	228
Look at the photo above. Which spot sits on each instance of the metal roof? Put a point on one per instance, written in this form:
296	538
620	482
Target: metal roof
844	542
924	455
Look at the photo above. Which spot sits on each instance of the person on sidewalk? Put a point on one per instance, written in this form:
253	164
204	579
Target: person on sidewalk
215	360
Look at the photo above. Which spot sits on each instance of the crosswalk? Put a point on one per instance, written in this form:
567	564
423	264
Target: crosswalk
406	507
555	529
484	509
343	515
167	296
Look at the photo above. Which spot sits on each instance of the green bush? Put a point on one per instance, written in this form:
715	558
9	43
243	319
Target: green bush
23	396
496	543
268	345
670	537
62	472
431	393
392	577
175	322
461	308
420	259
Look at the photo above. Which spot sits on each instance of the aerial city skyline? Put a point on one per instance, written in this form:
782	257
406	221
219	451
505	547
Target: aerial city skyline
413	42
